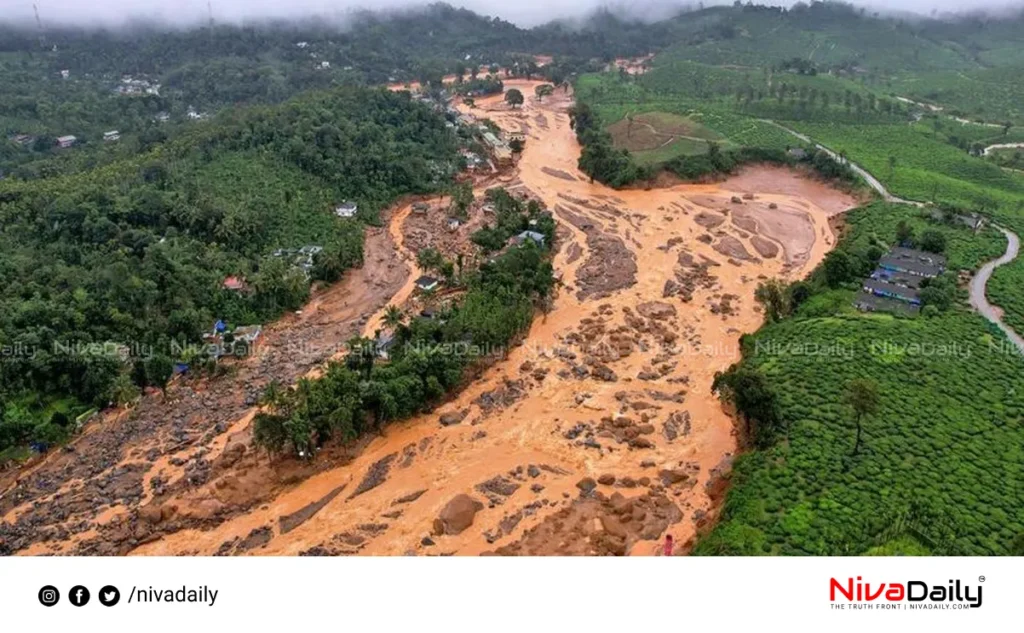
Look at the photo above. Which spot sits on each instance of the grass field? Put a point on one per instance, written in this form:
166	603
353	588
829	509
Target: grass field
654	137
940	462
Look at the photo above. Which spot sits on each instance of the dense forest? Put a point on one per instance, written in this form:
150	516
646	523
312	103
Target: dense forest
145	80
109	267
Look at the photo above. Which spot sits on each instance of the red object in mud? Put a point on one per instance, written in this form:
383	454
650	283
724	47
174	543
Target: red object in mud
669	544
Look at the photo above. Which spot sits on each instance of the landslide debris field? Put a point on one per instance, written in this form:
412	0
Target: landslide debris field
598	435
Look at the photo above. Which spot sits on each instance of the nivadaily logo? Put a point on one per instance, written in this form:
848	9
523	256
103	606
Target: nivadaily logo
913	594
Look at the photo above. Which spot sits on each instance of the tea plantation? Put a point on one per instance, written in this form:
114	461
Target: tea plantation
941	459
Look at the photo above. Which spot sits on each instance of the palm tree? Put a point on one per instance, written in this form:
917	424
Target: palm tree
393	317
862	396
273	395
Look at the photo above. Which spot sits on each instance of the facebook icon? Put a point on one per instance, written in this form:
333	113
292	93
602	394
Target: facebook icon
79	596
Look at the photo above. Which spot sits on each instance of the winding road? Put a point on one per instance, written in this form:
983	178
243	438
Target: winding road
978	300
873	182
988	150
979	282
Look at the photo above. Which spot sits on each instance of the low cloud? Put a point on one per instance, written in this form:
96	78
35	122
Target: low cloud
523	12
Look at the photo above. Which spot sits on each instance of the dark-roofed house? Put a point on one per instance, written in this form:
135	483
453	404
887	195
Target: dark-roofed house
895	285
427	283
872	303
881	288
913	262
900	279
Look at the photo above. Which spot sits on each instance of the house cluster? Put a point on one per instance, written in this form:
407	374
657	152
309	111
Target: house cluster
195	115
895	284
131	86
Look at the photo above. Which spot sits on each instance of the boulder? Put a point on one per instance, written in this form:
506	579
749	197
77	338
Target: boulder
669	477
457	515
586	484
656	310
454	417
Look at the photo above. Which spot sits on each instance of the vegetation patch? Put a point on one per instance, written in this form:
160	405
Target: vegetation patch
936	402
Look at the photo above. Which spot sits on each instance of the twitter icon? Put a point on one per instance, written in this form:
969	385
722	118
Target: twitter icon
109	596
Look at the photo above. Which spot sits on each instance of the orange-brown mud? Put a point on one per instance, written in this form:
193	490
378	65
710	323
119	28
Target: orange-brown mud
597	435
125	459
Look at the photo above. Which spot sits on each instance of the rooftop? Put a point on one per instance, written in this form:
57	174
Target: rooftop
914	261
871	303
877	286
895	277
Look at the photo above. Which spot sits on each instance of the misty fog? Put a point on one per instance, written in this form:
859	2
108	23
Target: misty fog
523	12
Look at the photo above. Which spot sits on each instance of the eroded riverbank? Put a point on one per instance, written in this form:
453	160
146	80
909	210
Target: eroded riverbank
611	388
609	393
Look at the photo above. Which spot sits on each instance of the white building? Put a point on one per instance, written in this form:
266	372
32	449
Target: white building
112	135
346	209
66	141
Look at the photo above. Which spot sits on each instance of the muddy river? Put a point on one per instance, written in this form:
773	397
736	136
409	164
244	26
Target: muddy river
598	434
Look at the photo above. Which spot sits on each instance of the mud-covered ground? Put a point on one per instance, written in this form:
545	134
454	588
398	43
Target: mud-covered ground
597	435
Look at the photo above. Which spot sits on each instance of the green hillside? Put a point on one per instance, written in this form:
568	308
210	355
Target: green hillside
941	457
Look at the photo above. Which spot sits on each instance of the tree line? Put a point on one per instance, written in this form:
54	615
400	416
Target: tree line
399	374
